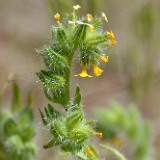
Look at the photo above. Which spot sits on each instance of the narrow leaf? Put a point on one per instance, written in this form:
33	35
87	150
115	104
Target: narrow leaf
16	98
44	119
77	99
51	143
53	112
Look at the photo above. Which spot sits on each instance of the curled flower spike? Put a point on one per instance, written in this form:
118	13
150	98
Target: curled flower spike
89	17
91	28
104	16
96	70
89	152
84	72
105	59
57	17
76	7
99	134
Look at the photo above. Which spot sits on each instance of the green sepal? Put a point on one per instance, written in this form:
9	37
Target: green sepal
89	54
70	146
96	39
79	35
57	129
62	39
53	112
77	99
51	143
50	114
74	119
97	23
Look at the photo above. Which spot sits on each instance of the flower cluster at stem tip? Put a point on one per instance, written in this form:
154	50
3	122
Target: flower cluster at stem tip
109	35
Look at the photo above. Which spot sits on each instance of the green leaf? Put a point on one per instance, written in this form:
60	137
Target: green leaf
53	59
77	99
10	127
29	100
16	98
58	131
51	143
53	112
115	152
44	118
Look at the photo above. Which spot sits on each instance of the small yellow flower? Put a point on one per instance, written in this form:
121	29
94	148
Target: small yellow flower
99	134
105	59
84	72
89	17
96	70
76	7
110	35
91	28
57	17
104	16
113	42
89	152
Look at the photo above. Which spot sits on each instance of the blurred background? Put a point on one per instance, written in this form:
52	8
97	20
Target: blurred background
131	76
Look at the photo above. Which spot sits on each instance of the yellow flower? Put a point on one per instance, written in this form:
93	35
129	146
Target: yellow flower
89	151
104	16
110	35
91	28
96	70
84	72
113	42
99	134
104	59
57	17
76	7
89	17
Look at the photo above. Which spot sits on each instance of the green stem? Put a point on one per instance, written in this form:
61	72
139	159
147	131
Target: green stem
115	152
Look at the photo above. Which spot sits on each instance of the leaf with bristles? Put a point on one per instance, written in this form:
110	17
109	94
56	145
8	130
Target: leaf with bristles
53	112
44	118
74	119
51	143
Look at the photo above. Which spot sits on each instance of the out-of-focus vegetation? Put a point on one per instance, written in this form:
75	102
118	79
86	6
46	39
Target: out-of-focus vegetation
89	6
141	54
17	129
120	125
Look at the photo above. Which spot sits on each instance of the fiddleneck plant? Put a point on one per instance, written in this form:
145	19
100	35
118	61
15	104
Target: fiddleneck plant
70	130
